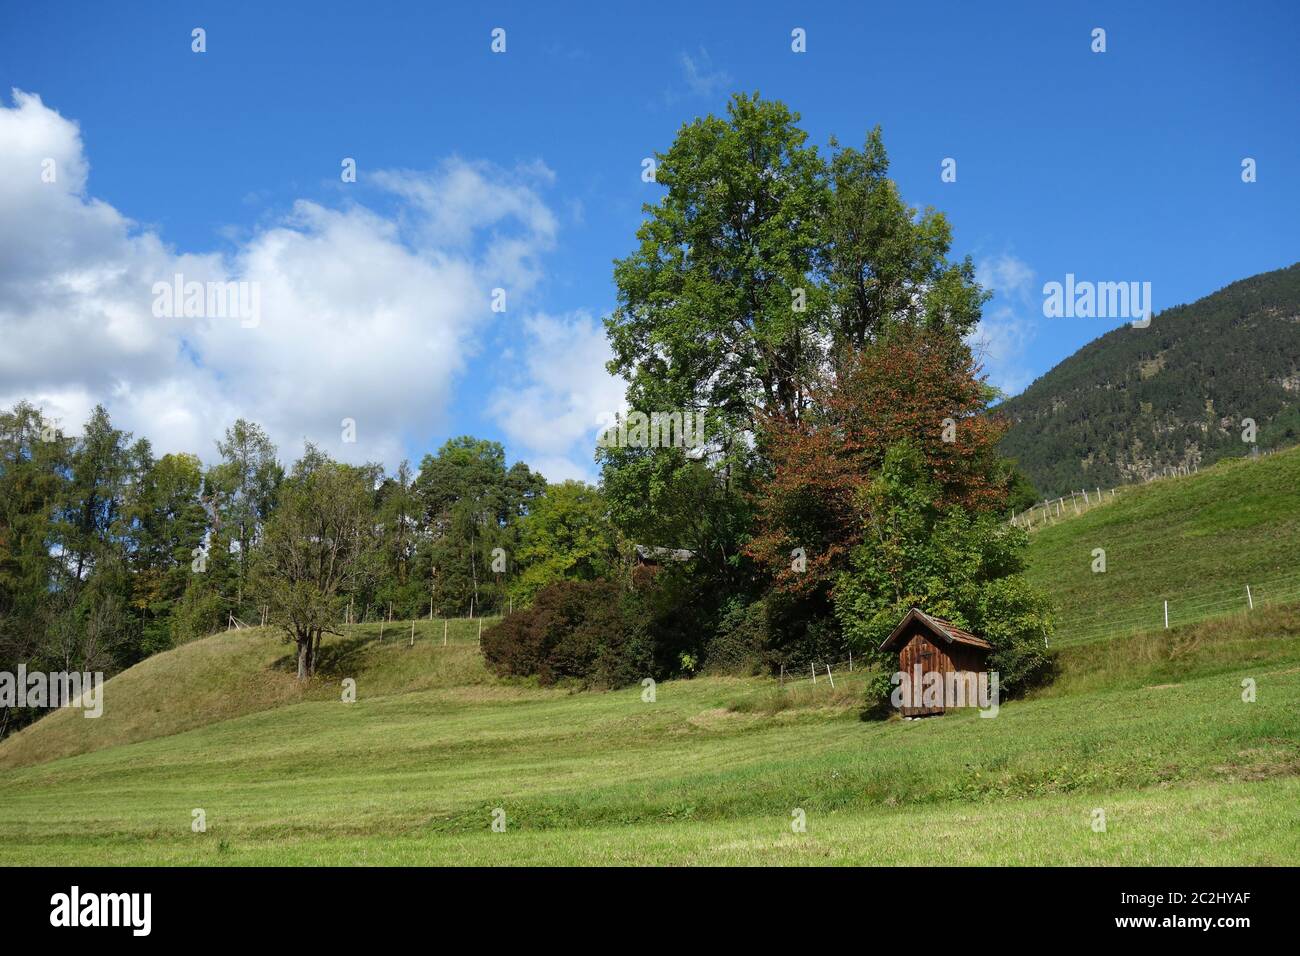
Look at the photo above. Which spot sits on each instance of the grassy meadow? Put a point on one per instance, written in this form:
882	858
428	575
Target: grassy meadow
1149	727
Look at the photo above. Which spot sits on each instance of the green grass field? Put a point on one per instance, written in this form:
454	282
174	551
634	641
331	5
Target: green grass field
1150	728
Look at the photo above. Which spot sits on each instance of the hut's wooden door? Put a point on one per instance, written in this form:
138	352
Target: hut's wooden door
920	651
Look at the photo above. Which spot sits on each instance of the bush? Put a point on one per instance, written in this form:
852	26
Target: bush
737	646
1017	620
878	691
588	631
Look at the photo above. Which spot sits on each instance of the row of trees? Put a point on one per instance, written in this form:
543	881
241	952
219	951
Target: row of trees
109	553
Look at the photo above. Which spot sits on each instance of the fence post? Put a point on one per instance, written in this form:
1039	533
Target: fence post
1249	600
444	632
813	667
829	677
412	632
1166	615
850	662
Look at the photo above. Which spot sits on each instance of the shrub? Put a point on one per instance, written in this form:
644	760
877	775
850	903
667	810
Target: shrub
1017	620
587	631
741	636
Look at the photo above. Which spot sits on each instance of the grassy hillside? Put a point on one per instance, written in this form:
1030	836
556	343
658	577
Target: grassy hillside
246	671
1153	730
1136	401
1196	541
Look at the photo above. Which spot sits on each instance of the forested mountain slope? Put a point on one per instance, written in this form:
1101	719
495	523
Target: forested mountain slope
1137	401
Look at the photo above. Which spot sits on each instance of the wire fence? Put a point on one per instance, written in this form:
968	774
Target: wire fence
1179	610
438	631
818	672
1051	511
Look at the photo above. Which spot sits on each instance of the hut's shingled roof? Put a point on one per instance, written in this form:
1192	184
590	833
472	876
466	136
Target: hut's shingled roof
659	555
945	629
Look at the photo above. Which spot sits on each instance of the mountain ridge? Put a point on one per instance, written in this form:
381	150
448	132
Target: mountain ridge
1133	402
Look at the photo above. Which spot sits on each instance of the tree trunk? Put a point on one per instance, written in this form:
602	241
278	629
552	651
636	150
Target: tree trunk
315	653
304	656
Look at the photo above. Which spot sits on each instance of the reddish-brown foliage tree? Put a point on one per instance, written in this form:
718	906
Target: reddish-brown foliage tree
903	387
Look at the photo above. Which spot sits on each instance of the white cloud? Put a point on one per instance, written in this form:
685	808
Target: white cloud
561	396
449	210
362	315
1006	328
1007	275
701	78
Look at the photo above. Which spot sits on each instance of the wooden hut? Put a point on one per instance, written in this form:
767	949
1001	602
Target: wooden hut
655	557
926	644
649	561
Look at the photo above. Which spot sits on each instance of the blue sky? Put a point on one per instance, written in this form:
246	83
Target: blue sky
523	169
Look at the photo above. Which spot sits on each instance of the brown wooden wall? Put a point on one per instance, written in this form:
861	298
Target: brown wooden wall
935	654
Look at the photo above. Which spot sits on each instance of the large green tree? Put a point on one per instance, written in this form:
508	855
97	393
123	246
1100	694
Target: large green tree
761	267
566	536
100	470
33	480
763	260
167	529
707	315
240	494
402	531
34	459
472	502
